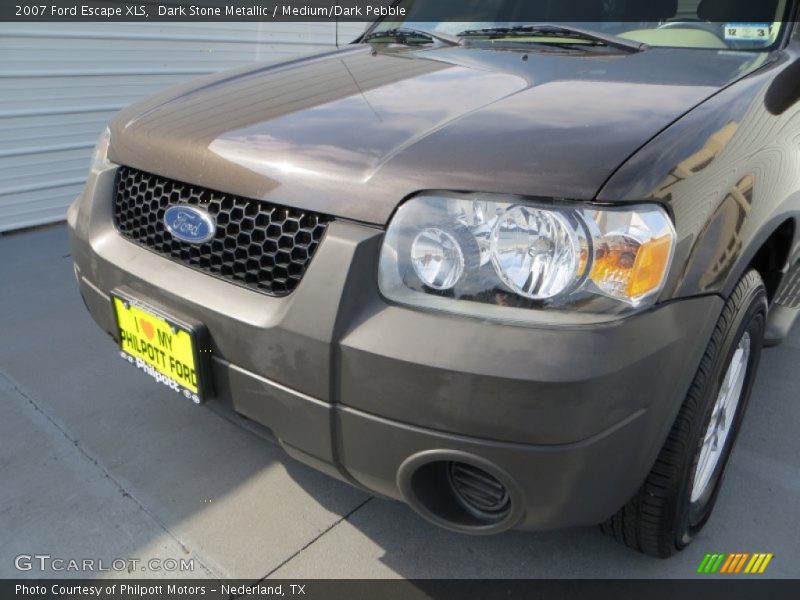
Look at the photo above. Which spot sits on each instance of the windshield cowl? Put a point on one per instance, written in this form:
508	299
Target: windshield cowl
726	25
559	32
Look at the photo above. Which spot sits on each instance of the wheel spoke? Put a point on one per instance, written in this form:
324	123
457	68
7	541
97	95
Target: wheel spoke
722	417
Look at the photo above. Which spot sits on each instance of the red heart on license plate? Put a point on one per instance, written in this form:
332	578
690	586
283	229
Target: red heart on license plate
148	328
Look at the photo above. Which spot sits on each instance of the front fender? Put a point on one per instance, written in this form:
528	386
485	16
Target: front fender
728	173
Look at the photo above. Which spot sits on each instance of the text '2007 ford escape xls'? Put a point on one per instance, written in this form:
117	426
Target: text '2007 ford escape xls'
516	272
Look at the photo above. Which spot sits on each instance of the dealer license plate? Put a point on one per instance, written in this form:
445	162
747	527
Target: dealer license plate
160	346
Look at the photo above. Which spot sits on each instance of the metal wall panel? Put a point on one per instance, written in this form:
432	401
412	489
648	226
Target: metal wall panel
61	82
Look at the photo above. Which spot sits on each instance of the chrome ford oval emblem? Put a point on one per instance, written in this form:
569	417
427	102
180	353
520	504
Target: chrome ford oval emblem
190	224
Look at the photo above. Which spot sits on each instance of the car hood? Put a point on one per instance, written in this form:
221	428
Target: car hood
353	132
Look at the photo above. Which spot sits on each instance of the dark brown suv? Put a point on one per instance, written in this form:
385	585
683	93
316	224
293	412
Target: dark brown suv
515	274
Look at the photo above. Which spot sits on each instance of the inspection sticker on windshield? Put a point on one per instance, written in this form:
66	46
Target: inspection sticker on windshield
748	32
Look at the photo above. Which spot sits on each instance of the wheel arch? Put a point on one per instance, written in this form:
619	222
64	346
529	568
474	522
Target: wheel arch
769	254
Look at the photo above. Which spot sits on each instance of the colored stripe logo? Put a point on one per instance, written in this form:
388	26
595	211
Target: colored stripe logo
737	562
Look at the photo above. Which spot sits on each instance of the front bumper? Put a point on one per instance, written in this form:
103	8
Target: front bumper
571	420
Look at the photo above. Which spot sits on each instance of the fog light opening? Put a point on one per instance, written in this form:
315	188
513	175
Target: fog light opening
478	491
458	494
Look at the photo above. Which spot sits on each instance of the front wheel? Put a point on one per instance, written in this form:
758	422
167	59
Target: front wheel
678	495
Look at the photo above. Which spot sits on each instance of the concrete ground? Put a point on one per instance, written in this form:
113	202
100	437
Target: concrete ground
98	462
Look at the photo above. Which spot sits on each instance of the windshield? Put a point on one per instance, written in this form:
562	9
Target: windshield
745	25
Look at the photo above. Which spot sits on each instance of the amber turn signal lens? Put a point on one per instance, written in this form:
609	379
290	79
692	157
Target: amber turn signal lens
628	269
651	267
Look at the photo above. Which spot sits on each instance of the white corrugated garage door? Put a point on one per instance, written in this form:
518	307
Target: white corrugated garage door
61	82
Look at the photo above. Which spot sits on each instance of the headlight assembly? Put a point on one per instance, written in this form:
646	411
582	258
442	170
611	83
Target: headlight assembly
499	258
100	160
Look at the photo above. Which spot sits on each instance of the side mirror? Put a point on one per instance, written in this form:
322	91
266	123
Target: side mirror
784	91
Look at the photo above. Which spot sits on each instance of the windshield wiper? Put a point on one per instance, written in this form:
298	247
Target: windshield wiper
555	31
411	36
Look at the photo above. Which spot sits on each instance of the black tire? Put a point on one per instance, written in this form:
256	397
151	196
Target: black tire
661	519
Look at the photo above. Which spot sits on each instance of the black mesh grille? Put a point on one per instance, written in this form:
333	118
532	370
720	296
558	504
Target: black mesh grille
259	245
